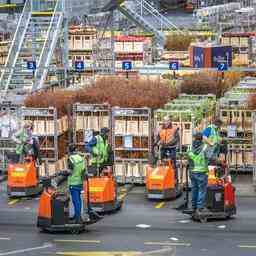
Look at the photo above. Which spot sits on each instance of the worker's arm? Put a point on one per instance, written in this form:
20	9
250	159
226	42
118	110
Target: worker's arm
89	146
206	134
15	137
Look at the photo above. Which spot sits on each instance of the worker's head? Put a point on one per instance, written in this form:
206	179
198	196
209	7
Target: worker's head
104	132
28	125
198	136
71	148
197	140
217	123
167	122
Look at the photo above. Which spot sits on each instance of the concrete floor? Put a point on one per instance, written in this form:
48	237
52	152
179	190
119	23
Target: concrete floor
163	226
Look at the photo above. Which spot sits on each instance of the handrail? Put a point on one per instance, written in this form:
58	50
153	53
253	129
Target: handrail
12	54
44	60
163	21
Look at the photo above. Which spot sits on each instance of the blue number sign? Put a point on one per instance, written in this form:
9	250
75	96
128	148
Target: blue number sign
222	67
31	65
127	65
79	65
174	65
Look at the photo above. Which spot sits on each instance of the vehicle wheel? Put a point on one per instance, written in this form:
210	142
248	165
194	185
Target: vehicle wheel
203	219
75	231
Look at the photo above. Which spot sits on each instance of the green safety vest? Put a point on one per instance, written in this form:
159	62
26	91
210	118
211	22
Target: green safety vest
23	137
100	151
214	136
199	160
77	176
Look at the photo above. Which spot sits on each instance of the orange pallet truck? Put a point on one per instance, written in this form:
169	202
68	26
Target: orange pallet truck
53	210
161	181
22	179
221	199
103	192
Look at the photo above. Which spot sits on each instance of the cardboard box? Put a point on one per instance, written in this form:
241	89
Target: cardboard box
50	127
143	128
133	127
80	123
120	127
104	121
93	123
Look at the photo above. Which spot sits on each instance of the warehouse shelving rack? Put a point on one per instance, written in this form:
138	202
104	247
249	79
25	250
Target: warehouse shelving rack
6	144
52	133
132	143
254	148
82	120
234	112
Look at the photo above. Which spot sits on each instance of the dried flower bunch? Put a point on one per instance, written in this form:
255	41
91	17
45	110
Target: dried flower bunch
116	91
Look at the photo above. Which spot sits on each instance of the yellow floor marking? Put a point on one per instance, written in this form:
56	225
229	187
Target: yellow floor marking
97	253
14	201
167	244
160	205
42	13
77	241
123	189
8	5
247	246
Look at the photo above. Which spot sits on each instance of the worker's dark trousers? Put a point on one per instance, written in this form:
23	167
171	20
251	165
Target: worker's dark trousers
199	183
170	153
75	192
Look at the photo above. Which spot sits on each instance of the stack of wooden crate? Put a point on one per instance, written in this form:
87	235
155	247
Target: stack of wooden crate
131	140
89	117
52	133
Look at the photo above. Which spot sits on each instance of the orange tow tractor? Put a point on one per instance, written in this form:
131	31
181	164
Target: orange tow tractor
23	179
103	196
161	182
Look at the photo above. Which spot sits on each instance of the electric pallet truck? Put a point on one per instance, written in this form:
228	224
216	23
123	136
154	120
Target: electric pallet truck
161	182
221	200
23	178
53	210
103	191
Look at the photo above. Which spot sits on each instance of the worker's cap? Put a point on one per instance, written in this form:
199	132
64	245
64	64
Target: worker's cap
167	119
28	124
71	148
198	136
104	130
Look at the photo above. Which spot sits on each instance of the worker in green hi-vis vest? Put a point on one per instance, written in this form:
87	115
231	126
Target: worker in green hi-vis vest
77	172
198	167
212	140
100	151
24	141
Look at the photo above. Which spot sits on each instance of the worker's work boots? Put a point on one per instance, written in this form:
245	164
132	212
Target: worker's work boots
203	211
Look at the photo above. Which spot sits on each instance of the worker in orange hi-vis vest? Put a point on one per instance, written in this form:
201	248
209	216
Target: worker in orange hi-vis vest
168	140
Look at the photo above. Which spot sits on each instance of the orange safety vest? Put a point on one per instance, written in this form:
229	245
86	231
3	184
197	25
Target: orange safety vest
167	135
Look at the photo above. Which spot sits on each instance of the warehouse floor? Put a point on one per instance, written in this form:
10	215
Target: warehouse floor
140	226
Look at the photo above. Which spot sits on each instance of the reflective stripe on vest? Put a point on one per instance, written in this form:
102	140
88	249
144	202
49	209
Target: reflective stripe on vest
199	161
167	135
